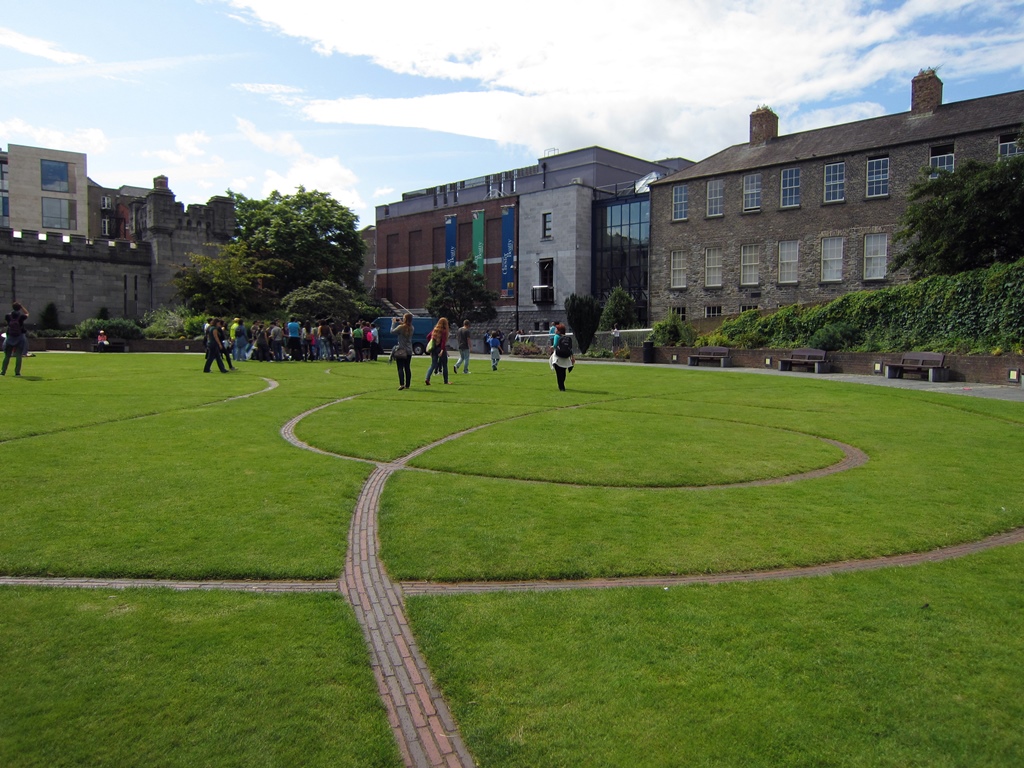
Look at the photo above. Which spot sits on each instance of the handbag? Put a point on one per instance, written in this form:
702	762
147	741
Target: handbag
399	354
430	344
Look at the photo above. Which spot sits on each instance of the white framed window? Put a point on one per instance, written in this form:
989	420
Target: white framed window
878	177
831	259
713	267
1008	146
749	265
681	311
713	311
716	197
680	202
876	256
942	159
748	307
678	276
790	188
789	254
106	202
752	192
835	182
105	227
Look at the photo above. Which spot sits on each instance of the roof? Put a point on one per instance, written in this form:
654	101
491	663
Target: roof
987	113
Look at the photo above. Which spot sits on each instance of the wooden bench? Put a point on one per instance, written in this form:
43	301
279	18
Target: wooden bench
718	355
111	346
811	359
930	365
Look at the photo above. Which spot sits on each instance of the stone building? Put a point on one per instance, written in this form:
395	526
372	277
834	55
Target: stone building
809	216
539	234
67	240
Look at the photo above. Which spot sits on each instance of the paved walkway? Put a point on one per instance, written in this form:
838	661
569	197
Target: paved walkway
423	725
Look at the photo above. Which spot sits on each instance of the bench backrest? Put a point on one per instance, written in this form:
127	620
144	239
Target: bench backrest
926	359
713	351
810	355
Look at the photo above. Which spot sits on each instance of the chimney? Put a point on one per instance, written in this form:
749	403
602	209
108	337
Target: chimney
764	125
160	182
925	92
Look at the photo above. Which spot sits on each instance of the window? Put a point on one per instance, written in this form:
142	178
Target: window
832	259
546	270
716	195
713	267
3	177
747	307
749	273
713	311
678	278
59	214
791	188
54	175
545	226
5	210
105	227
680	202
752	192
681	311
1008	146
876	251
106	203
942	159
878	177
789	251
835	182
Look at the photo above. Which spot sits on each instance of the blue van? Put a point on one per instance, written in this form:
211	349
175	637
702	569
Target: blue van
421	328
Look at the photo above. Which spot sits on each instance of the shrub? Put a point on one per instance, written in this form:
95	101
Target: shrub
167	323
49	320
672	332
526	349
583	312
835	336
116	328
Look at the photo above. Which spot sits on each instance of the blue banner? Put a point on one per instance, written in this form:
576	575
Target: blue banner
508	257
451	232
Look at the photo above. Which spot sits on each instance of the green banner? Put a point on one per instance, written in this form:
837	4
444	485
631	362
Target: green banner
478	240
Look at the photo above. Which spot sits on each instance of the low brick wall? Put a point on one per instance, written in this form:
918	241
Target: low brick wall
979	369
135	345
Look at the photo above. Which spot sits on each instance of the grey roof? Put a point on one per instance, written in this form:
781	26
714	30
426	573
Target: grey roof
1005	111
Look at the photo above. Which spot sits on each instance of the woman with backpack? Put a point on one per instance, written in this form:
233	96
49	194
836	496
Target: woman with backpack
562	358
438	350
16	340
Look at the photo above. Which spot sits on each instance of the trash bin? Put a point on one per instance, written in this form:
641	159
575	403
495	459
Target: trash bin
648	352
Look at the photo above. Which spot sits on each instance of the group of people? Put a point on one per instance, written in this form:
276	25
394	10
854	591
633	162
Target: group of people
274	341
561	361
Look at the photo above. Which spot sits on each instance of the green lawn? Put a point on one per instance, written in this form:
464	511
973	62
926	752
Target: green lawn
140	465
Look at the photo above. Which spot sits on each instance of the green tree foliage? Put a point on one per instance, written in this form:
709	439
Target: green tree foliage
620	310
460	294
672	332
584	315
49	319
971	218
116	328
232	283
975	311
300	238
321	299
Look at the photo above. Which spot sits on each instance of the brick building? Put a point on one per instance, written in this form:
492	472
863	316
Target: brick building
809	216
539	234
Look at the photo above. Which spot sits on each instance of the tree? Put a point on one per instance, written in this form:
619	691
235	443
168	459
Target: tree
620	310
222	285
970	218
584	315
300	238
320	300
460	294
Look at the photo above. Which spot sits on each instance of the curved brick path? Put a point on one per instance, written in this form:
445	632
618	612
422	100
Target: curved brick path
423	725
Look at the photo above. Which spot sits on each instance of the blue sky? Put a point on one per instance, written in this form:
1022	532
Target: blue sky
369	100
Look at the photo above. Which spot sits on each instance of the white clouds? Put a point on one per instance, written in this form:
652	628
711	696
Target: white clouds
92	141
35	46
661	74
326	174
187	147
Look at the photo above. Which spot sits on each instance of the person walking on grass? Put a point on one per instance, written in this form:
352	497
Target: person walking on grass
16	340
462	336
562	358
494	342
214	346
439	350
403	349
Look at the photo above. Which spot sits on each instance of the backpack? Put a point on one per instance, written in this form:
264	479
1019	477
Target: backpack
564	346
15	325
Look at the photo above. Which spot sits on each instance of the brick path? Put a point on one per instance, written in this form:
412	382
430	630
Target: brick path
424	727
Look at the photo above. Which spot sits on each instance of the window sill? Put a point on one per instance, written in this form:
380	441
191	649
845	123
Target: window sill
715	216
833	202
685	218
794	284
748	211
796	207
869	198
